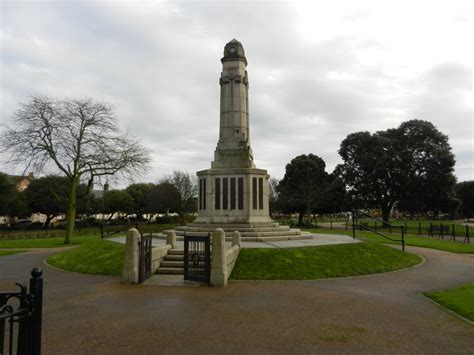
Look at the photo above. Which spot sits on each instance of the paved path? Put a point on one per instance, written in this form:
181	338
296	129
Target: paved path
317	239
382	313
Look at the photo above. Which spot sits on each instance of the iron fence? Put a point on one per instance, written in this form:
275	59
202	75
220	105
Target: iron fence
21	318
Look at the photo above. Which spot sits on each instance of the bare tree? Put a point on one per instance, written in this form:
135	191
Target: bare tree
80	138
187	188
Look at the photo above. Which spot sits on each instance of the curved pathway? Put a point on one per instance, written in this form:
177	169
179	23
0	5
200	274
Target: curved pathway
382	313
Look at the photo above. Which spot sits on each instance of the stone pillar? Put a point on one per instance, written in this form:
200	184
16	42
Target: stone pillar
218	262
131	271
171	238
236	239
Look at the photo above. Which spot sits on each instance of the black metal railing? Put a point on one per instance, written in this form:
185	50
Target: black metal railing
144	260
21	318
365	226
104	234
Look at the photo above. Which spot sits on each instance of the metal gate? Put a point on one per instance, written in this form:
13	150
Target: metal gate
145	257
197	258
21	318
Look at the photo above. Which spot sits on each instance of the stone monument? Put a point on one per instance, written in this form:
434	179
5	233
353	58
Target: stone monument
233	193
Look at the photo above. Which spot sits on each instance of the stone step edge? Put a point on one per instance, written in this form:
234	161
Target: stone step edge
231	225
231	230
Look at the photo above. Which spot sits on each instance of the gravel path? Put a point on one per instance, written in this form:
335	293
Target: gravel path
382	313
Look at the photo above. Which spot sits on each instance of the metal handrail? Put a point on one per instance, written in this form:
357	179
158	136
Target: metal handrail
361	226
102	227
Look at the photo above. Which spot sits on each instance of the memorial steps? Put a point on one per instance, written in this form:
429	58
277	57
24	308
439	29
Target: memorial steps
249	232
173	263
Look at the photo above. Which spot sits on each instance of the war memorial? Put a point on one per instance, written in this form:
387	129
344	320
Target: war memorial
233	193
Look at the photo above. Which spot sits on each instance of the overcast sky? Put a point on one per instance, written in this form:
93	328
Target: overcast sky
318	71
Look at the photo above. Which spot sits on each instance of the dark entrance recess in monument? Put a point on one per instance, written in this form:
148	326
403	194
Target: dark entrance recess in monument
218	194
202	194
225	196
254	193
232	193
197	258
240	193
145	257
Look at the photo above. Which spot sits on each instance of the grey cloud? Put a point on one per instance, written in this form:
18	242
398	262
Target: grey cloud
159	65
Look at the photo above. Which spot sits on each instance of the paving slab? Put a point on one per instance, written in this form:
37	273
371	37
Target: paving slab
317	239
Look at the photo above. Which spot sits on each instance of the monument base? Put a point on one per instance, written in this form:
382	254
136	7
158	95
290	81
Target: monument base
255	232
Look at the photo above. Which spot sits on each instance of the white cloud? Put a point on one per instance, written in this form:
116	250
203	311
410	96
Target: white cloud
318	70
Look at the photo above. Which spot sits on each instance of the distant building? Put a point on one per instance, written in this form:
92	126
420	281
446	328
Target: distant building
21	182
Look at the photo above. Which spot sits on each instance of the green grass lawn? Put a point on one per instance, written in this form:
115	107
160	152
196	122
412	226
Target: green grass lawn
92	256
320	262
459	300
9	252
53	242
425	242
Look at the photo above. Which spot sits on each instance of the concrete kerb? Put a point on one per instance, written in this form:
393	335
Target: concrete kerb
446	309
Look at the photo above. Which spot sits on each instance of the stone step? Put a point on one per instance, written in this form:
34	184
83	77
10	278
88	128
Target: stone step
231	230
271	234
274	232
174	257
176	252
172	264
170	271
275	239
235	226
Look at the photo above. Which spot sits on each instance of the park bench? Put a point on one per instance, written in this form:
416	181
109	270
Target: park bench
439	229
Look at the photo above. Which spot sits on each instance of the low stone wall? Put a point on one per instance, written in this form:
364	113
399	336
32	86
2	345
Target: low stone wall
130	273
223	260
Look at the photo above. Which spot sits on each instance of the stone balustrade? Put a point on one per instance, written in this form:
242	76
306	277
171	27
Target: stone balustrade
223	260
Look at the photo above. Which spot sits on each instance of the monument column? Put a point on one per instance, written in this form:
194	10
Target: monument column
233	193
233	148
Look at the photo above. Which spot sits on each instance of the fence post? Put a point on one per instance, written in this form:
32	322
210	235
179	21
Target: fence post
453	233
353	224
430	231
403	239
467	234
419	229
36	291
441	230
102	231
346	224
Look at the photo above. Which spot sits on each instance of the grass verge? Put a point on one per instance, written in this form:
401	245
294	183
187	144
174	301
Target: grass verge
95	256
9	252
320	262
424	242
53	242
459	300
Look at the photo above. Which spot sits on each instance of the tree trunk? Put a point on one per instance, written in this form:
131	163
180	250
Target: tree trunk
300	218
71	212
386	214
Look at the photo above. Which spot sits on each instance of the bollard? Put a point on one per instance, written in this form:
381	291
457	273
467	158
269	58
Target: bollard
236	238
171	238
